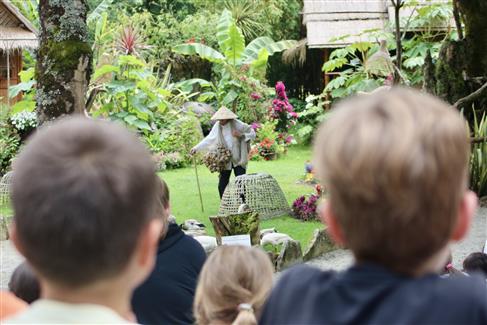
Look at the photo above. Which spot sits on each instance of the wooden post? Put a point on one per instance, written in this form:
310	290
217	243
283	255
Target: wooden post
198	183
326	57
237	224
8	77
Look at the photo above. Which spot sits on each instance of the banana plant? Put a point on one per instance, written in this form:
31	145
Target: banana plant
233	59
232	51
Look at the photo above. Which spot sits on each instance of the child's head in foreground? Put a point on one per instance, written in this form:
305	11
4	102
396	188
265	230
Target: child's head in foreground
24	284
84	196
476	263
395	165
233	286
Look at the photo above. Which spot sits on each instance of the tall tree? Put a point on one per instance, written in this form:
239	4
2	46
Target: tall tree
474	15
63	59
460	73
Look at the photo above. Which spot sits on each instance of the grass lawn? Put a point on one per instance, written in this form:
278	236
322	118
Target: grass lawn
286	170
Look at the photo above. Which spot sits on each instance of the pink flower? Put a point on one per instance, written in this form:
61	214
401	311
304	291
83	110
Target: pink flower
255	126
289	139
294	114
281	90
255	96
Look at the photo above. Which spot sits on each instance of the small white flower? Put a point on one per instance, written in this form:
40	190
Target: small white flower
24	120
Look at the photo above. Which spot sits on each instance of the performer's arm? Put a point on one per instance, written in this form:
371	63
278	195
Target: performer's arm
208	140
248	133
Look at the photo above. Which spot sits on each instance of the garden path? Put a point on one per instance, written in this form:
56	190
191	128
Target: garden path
338	260
341	259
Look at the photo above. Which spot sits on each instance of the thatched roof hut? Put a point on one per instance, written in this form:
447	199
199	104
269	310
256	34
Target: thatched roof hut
16	31
327	20
16	34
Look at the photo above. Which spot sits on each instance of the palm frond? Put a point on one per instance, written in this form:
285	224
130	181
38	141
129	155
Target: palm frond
296	55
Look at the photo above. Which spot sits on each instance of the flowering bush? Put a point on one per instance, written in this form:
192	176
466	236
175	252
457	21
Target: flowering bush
267	145
170	160
305	208
24	121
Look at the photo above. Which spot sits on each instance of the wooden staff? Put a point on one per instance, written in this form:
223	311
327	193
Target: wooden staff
198	183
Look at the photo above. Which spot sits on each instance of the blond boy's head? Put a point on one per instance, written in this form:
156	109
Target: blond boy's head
395	165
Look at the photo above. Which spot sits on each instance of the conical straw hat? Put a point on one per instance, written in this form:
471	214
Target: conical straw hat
224	114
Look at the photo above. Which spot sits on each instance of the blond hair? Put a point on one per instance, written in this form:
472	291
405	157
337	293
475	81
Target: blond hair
395	165
233	286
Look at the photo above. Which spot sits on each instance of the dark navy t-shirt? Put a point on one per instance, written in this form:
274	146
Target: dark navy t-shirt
166	297
369	294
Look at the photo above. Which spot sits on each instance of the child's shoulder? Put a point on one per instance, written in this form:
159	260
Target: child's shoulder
301	276
463	288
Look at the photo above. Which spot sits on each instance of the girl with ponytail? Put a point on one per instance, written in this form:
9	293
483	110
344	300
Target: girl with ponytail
233	286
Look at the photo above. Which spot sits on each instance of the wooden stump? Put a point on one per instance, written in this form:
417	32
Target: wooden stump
237	224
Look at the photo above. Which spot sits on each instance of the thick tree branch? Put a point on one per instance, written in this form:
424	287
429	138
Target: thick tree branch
458	22
397	7
470	98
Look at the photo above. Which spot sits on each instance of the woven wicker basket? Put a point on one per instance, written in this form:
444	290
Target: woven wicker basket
5	184
260	192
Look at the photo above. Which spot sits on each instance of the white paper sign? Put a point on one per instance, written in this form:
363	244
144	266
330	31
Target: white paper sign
485	247
242	240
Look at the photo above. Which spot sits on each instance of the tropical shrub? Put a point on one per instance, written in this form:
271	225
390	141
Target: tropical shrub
310	116
358	73
134	95
478	158
9	142
175	140
240	69
26	87
351	62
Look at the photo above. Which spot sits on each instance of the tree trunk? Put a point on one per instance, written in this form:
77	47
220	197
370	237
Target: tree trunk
63	60
429	84
475	13
451	82
397	19
461	68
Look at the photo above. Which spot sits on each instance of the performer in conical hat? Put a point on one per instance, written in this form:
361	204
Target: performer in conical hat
233	134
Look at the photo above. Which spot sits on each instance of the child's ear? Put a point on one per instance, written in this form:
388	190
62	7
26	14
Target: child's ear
333	227
148	240
466	211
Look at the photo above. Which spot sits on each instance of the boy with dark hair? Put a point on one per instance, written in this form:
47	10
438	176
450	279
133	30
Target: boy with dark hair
395	165
476	263
24	284
84	197
166	297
